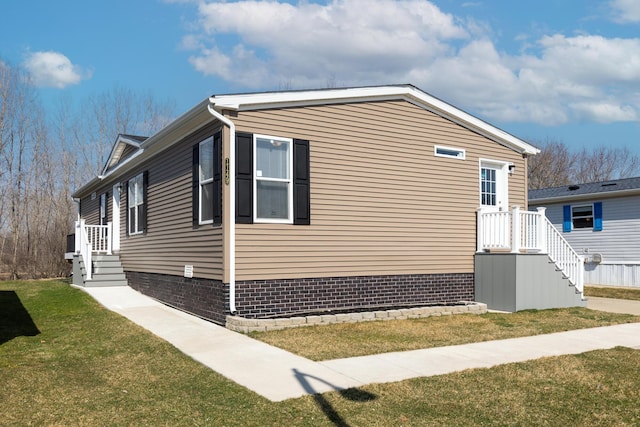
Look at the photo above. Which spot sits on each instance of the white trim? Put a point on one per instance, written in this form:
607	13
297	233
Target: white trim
115	217
231	217
502	183
129	205
460	156
206	181
289	181
257	101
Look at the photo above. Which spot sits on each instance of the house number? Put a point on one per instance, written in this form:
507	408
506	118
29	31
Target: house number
226	171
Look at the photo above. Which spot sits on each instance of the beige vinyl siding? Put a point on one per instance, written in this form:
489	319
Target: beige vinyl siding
381	202
171	240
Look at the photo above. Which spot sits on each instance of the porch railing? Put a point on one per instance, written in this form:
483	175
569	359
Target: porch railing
92	239
519	231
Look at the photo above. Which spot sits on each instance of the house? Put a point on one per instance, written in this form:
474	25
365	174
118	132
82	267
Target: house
602	221
285	203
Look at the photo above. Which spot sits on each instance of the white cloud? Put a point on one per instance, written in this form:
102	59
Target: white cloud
53	69
625	11
555	80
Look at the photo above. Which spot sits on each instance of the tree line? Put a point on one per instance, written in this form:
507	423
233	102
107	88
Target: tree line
46	154
557	165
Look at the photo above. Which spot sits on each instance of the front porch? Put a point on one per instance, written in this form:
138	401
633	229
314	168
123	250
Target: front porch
94	263
523	262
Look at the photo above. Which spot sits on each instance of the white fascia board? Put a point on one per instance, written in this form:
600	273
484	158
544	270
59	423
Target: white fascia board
117	149
267	100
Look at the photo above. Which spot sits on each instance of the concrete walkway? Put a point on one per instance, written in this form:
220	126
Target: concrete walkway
611	305
278	375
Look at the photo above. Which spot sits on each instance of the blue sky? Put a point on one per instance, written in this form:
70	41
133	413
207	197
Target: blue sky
564	70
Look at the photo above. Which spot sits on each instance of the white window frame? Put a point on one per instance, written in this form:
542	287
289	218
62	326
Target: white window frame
592	216
502	183
202	182
103	209
289	181
132	181
438	152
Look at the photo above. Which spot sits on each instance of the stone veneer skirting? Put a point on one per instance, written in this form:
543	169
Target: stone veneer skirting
270	299
241	324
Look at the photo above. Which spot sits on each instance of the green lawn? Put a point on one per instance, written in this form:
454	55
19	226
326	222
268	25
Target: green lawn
66	361
612	292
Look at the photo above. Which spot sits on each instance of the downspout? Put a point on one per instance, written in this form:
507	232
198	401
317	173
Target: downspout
232	205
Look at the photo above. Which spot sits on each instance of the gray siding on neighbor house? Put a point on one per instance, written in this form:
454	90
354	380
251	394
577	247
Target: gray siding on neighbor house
171	240
619	240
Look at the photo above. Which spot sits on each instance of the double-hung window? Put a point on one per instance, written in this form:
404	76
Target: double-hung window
273	190
205	184
136	204
582	216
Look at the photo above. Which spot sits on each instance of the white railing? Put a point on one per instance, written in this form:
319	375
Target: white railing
523	231
99	237
92	239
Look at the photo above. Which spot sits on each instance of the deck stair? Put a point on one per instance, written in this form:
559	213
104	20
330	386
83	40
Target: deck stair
107	271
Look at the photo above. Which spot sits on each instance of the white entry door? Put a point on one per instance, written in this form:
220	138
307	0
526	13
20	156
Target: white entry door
115	240
494	191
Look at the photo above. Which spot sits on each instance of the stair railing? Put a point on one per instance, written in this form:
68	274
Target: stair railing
524	231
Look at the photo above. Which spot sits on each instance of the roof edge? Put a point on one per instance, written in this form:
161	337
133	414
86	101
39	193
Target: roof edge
410	93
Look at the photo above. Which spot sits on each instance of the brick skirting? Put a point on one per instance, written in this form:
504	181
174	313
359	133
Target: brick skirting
263	299
205	298
288	297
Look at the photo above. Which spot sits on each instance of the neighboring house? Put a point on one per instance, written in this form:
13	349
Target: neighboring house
601	220
285	203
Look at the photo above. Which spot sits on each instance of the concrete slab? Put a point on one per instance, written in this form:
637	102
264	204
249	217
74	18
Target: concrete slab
278	375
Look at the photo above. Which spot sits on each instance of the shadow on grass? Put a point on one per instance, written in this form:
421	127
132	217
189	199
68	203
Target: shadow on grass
15	320
352	394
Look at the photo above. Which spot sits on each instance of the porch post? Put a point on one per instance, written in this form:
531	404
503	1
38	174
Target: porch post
479	231
109	237
79	227
542	230
515	229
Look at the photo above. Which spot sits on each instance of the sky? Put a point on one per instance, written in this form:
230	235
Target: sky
560	70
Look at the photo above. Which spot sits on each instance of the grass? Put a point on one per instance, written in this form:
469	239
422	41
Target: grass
359	339
612	292
66	361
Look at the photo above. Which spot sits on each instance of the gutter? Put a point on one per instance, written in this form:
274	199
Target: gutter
232	203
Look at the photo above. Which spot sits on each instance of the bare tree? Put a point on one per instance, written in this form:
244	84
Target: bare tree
552	167
102	117
605	163
556	165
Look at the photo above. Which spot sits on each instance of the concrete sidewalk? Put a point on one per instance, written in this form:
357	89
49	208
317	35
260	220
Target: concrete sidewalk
278	375
622	306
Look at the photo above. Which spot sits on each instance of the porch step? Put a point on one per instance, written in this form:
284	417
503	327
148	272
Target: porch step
107	271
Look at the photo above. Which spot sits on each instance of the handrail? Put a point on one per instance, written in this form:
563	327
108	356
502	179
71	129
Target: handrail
565	257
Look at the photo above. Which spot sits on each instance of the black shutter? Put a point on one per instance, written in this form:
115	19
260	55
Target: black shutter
217	178
195	183
244	178
126	198
301	183
142	215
